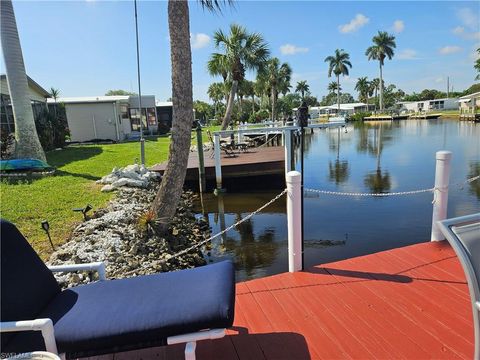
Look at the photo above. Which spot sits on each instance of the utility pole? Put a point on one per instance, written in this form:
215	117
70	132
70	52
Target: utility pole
448	87
142	140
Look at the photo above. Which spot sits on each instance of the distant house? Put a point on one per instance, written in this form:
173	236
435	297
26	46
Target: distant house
429	105
348	108
108	117
38	96
469	104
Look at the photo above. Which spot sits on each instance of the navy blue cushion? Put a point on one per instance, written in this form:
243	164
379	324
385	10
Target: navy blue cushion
126	314
27	286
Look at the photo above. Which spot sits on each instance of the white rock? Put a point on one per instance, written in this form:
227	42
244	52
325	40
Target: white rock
107	188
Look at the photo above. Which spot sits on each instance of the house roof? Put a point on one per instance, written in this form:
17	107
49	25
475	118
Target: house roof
90	99
163	103
32	84
470	96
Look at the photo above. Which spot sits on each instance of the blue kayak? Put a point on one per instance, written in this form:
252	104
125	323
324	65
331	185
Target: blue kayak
23	165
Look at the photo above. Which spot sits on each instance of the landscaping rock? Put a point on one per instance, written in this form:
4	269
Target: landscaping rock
115	236
131	175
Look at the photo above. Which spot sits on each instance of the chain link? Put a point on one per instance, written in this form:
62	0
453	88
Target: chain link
339	193
203	242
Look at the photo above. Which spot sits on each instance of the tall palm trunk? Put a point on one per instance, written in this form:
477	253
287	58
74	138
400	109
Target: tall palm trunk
231	100
27	144
338	93
253	104
273	97
381	88
170	190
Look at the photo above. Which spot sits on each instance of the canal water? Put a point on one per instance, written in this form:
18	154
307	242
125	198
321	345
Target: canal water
375	157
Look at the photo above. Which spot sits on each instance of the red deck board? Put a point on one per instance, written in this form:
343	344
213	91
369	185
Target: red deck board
407	303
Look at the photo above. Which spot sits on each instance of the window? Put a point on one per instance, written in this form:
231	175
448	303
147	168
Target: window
124	111
152	119
135	119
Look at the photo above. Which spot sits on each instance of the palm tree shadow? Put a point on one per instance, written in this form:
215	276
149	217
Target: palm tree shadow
355	274
72	154
84	176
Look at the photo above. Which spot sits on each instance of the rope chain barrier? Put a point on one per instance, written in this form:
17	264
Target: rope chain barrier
203	242
400	193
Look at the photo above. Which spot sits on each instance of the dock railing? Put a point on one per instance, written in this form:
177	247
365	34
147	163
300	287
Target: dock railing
286	131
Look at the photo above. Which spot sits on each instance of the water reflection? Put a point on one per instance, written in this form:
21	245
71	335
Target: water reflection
474	171
252	252
338	171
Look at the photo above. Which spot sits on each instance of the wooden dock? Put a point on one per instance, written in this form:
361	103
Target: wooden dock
409	303
267	160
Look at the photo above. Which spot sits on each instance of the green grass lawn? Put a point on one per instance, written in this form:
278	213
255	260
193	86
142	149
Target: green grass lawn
52	198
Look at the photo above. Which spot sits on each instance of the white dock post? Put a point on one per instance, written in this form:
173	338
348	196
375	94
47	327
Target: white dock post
442	178
294	218
218	161
287	136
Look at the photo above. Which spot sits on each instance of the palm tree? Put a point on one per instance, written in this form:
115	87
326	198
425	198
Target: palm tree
170	190
27	144
276	77
216	92
241	51
363	88
333	87
384	44
338	64
302	88
55	93
374	86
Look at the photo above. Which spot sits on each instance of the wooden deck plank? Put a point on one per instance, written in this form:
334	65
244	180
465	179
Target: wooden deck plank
266	160
408	303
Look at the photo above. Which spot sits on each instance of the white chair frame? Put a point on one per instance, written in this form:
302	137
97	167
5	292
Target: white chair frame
472	280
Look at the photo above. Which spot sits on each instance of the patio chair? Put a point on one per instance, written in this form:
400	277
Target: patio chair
224	146
463	234
107	316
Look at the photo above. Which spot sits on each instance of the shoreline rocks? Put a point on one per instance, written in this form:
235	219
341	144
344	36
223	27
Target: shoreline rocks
121	236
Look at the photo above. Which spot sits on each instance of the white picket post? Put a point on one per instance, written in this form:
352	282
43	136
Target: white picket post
440	196
218	164
287	139
294	219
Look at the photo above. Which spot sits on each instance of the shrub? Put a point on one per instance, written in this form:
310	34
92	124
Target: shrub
359	116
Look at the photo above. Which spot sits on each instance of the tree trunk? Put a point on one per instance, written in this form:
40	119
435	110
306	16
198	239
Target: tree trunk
27	144
338	93
170	190
231	100
381	88
272	95
253	104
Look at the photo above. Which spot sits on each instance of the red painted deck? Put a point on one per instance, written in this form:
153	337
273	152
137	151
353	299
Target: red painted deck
409	303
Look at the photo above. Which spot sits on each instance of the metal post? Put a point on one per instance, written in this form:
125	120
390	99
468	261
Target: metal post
218	163
142	140
302	149
294	210
442	178
287	134
201	162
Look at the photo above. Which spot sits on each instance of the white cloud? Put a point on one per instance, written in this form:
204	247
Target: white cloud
199	40
450	49
468	18
398	26
459	30
356	23
439	80
289	49
407	54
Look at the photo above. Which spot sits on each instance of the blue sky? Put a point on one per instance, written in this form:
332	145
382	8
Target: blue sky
88	47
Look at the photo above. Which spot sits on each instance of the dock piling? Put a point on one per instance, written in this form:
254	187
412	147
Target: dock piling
294	210
201	162
442	178
287	135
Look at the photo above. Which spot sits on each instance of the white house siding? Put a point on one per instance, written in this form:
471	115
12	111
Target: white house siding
90	121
